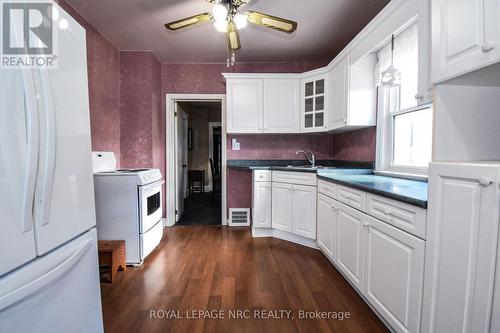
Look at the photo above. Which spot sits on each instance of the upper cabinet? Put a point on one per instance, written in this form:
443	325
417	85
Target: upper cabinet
465	36
314	103
353	96
281	105
245	105
258	104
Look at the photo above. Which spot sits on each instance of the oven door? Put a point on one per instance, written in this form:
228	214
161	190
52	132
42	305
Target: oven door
150	205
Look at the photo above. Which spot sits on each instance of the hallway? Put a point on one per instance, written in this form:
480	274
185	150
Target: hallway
201	209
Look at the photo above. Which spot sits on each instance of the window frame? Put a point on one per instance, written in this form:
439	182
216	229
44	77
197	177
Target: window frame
385	136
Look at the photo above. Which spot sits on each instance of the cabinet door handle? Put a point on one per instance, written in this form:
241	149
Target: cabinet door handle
419	97
366	224
484	181
488	47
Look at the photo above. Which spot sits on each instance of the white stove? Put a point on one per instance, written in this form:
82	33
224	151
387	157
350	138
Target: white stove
128	206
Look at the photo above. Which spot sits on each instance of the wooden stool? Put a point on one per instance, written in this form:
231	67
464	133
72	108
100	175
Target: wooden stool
112	254
196	179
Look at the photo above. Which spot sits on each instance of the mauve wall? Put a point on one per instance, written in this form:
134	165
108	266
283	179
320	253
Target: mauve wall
103	62
355	146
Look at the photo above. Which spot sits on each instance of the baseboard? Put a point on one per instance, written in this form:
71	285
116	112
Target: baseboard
262	232
284	235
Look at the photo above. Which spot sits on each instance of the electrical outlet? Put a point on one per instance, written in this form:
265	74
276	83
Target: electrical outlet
235	144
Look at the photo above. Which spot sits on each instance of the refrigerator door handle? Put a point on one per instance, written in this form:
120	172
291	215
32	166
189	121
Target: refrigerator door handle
16	289
33	150
48	156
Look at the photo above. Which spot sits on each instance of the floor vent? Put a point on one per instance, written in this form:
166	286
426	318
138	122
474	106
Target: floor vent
239	217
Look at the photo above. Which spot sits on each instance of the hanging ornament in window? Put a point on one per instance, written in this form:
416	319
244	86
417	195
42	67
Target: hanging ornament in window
391	77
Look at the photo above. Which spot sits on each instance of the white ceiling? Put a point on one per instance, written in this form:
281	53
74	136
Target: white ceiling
324	28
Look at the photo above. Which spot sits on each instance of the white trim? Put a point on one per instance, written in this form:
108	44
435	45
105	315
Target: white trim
170	100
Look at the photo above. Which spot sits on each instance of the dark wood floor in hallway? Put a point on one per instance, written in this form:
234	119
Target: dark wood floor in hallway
222	268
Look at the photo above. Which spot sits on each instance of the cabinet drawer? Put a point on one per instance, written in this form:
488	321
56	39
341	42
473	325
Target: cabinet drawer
406	217
352	197
261	175
291	177
327	188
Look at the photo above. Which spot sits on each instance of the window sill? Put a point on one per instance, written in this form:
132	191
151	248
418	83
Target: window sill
403	175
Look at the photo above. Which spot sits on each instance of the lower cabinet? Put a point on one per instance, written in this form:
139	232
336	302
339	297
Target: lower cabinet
350	244
393	274
261	207
385	264
326	220
282	202
304	211
294	209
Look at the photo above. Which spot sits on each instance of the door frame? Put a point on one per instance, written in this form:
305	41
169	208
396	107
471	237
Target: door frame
170	163
176	152
211	126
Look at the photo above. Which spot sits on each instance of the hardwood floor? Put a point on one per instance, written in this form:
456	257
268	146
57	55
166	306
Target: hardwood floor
215	267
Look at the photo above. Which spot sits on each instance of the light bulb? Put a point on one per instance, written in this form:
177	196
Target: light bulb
221	26
240	20
63	24
219	12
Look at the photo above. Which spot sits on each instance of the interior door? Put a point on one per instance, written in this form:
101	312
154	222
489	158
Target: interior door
65	187
18	163
181	128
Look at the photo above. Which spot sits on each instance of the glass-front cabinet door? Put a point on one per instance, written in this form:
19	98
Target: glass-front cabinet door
314	103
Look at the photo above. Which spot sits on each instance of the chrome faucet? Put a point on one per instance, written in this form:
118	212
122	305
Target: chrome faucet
311	159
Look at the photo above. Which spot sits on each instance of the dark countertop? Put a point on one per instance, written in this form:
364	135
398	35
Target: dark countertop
352	174
413	192
273	164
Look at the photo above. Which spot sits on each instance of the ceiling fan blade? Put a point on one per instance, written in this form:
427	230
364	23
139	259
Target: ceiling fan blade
273	22
188	21
233	37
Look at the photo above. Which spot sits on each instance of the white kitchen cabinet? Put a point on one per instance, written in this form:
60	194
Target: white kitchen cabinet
261	203
281	105
465	36
314	103
326	220
282	203
394	274
353	98
304	211
350	244
461	251
245	105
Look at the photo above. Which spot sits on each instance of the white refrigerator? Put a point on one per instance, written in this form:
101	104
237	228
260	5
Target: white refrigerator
49	280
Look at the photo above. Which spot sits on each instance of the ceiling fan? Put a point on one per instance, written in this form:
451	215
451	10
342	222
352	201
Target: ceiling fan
228	19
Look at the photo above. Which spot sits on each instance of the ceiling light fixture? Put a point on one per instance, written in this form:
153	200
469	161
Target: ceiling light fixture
229	20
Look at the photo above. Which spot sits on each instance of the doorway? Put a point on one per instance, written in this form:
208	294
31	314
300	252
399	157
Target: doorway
196	160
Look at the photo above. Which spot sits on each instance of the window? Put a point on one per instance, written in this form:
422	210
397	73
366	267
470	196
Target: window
404	131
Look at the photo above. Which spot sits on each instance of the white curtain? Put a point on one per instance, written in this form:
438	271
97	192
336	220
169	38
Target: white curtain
406	60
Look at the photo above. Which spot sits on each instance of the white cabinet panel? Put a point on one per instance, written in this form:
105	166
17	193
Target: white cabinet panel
461	247
281	105
304	211
244	105
393	275
262	198
65	194
18	164
339	105
350	244
282	202
292	177
465	36
352	197
326	224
